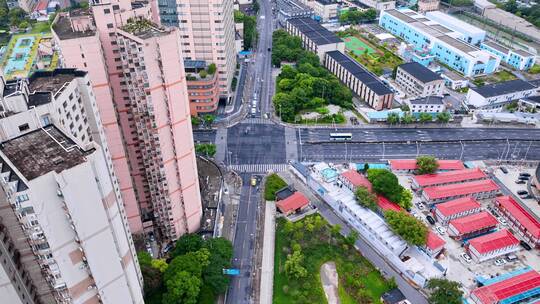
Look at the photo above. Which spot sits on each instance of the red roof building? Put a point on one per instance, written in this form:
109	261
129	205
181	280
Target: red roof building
292	203
352	179
409	165
384	204
492	245
449	177
469	226
477	189
434	244
447	211
517	285
519	219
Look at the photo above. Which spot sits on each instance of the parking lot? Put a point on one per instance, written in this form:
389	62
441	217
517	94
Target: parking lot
509	180
465	271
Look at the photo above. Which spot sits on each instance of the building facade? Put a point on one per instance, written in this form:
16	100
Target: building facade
480	189
138	68
446	45
492	245
315	37
470	33
493	97
363	83
419	81
65	201
445	212
449	177
203	92
471	225
517	286
326	10
517	58
522	222
428	6
207	32
428	104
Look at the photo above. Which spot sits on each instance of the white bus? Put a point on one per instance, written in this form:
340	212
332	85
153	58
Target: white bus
340	136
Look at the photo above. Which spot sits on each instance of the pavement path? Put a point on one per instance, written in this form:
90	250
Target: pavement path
267	268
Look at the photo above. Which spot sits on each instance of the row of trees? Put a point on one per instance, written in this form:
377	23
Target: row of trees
407	227
205	149
531	14
407	118
354	16
305	86
386	184
250	28
195	271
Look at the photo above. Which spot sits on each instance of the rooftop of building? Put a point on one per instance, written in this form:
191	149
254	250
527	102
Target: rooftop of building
434	241
356	179
292	7
438	192
428	100
457	206
314	31
462	25
143	28
527	220
393	296
522	53
532	99
326	2
410	164
194	64
42	151
496	46
293	202
503	88
357	70
385	204
420	72
510	287
52	81
493	241
449	177
458	44
284	192
62	28
474	222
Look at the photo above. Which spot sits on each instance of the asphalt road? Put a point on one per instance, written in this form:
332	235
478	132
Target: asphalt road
255	144
241	287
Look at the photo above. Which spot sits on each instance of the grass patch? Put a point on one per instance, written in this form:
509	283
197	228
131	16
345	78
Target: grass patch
359	281
535	69
357	46
41	27
500	76
337	118
273	183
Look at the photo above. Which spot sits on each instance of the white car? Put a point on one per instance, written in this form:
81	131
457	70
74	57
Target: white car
420	206
440	230
503	221
500	262
466	257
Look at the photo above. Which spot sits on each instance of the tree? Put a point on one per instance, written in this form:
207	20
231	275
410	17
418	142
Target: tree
426	164
187	243
425	117
393	118
159	264
151	275
407	118
385	183
212	69
352	238
443	117
366	167
182	287
203	73
409	228
443	291
405	107
221	252
335	230
209	119
511	6
293	265
365	198
206	149
405	199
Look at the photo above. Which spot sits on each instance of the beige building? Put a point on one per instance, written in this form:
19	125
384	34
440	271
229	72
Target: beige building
419	81
425	6
326	9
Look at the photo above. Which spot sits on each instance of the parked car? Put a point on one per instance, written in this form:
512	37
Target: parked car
503	222
525	245
521	192
525	174
500	262
420	206
430	219
466	257
511	257
504	170
520	181
440	230
523	178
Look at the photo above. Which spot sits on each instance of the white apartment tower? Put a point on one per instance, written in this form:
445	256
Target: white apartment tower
65	236
207	31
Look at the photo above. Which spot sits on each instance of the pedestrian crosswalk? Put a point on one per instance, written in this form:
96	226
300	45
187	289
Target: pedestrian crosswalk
257	120
259	168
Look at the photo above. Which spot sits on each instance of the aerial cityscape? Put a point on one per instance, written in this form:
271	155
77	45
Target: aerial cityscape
270	151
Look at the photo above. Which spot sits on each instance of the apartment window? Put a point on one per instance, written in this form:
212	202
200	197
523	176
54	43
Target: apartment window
107	11
116	7
110	25
24	127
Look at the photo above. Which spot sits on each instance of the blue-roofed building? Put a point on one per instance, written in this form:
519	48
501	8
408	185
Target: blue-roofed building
362	82
314	36
446	45
517	58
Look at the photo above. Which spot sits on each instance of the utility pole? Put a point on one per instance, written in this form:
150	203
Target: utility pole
462	149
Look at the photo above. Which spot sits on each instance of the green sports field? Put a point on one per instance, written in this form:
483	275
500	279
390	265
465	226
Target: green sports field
357	46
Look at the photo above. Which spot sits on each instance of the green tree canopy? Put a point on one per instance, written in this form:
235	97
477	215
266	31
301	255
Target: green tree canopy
393	118
365	198
426	164
385	183
187	243
294	265
443	117
425	117
443	291
409	228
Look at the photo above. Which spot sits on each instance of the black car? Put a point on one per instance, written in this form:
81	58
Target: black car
269	49
519	181
525	174
504	170
525	245
430	219
523	178
522	192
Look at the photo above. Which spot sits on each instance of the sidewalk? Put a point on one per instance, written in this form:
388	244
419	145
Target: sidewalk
267	268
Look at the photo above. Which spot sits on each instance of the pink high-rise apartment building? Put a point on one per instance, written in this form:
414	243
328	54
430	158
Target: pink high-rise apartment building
136	69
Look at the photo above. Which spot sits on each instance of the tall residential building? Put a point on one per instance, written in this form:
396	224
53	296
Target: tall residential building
137	68
64	233
207	31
